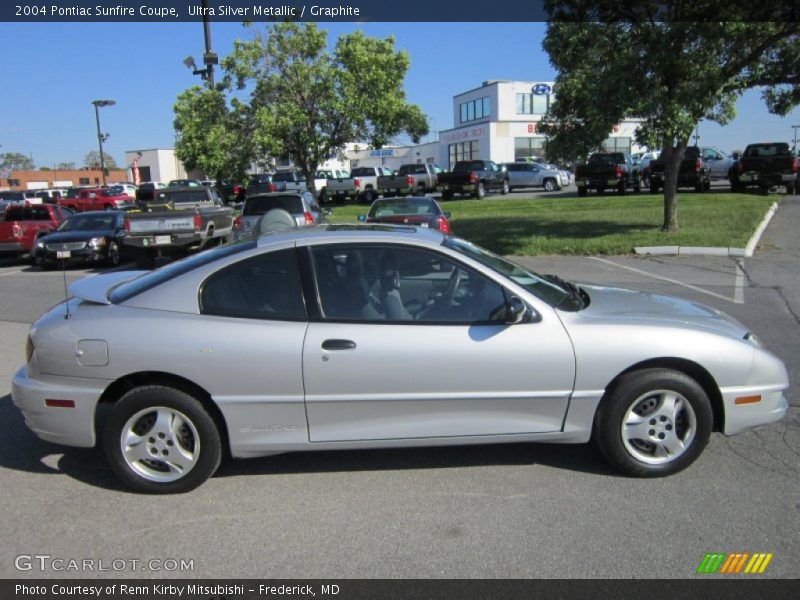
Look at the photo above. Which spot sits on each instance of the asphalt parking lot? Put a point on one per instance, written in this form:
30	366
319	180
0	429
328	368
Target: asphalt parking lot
520	510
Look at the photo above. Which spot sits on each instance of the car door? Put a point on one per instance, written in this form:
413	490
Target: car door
412	344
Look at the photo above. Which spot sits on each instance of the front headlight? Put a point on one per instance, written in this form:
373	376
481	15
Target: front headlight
40	244
97	242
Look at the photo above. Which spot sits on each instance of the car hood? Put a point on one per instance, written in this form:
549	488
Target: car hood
96	288
617	305
76	236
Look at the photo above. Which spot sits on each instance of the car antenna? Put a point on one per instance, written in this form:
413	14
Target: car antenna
60	255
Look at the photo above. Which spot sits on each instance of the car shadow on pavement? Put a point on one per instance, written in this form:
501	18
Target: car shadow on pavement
21	450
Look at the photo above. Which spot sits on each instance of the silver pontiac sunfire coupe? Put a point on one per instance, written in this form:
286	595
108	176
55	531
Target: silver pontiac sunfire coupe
377	336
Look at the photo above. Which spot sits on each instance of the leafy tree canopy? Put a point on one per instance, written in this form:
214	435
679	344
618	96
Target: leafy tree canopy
92	160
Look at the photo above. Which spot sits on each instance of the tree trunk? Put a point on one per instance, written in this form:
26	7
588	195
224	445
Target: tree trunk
673	156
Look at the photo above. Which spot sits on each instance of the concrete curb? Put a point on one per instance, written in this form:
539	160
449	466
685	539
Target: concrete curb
714	250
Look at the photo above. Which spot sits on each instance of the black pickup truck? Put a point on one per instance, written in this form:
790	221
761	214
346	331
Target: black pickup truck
608	170
177	221
692	172
473	177
766	165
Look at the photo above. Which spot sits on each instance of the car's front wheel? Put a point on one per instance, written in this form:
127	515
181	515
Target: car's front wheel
160	440
653	422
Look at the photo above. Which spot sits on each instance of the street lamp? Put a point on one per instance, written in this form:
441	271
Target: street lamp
209	57
795	127
101	137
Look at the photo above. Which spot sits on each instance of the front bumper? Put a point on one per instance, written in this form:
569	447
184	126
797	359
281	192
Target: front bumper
67	426
15	247
84	255
740	417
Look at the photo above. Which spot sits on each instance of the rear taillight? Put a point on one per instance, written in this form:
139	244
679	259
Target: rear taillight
309	219
442	225
356	182
617	171
28	349
410	181
698	166
126	224
236	189
273	187
237	223
198	222
473	176
794	164
16	230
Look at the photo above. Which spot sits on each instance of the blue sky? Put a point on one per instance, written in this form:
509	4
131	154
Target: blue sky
52	72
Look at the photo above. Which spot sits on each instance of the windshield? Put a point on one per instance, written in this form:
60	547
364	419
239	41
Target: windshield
543	288
89	223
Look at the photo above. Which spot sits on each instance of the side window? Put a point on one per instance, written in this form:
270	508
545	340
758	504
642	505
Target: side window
266	286
384	283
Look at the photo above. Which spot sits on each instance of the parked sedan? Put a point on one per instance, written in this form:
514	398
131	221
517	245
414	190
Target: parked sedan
423	211
531	174
375	336
84	237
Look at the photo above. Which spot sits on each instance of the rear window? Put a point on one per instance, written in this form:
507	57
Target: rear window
413	170
290	177
12	196
198	195
129	289
362	172
607	159
257	206
391	208
768	150
692	153
475	165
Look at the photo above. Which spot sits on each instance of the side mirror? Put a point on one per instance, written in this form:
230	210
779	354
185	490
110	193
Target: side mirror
362	218
447	215
515	310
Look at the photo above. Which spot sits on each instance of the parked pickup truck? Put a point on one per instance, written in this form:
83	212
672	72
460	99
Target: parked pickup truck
293	181
475	178
607	170
766	165
693	172
96	199
361	185
21	225
410	180
321	182
178	221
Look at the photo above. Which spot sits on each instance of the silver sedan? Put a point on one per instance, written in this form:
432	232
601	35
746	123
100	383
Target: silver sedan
376	336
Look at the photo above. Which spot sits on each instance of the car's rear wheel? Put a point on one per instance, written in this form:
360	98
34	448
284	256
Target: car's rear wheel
480	191
160	440
622	188
653	422
582	191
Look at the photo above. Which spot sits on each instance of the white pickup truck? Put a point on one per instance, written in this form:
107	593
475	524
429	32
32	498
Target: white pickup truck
361	185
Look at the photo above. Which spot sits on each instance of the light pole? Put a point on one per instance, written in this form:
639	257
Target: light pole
795	127
209	57
101	137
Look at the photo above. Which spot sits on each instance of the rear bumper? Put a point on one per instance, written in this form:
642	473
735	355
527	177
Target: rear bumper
458	188
755	178
68	426
597	183
15	247
684	179
159	241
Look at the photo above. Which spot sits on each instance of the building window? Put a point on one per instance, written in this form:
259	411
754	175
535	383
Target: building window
527	147
533	104
96	180
617	144
83	181
475	109
462	151
13	182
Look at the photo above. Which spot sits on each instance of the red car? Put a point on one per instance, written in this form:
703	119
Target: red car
97	199
21	226
422	211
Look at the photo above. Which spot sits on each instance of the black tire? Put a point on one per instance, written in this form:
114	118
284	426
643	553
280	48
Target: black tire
654	188
700	186
140	399
505	189
368	196
108	207
446	195
622	188
145	260
550	185
791	188
632	389
583	191
112	255
480	191
323	196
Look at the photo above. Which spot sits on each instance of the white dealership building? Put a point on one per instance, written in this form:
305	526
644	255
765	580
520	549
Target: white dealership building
496	121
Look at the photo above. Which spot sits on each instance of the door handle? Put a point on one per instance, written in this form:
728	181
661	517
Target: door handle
338	345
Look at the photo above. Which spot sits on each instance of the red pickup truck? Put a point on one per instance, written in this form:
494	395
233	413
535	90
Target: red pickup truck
97	199
20	225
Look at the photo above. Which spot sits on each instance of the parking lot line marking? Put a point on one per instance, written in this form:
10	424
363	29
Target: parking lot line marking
736	300
10	272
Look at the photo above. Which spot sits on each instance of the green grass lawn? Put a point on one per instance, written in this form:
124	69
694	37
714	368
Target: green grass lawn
597	224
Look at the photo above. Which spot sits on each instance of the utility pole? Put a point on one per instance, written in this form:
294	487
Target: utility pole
209	58
795	127
100	136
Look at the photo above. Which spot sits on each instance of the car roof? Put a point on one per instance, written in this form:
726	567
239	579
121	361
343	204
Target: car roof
353	233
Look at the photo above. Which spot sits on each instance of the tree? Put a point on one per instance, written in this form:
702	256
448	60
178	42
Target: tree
16	161
65	166
671	64
210	135
307	102
92	160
